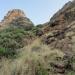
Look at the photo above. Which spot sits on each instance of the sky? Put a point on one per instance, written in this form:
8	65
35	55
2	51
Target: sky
39	11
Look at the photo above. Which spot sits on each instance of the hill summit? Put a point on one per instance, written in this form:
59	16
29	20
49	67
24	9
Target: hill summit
15	16
15	13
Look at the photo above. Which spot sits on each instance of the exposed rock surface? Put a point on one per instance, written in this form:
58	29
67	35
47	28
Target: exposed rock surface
15	13
60	30
16	16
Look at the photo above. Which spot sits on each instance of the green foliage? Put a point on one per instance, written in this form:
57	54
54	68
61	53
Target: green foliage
7	52
2	51
37	30
12	39
71	73
41	70
39	26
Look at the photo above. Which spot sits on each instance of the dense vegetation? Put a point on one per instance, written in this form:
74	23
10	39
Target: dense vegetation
11	39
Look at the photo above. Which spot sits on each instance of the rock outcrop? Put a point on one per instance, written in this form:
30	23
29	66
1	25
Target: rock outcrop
16	17
13	14
60	30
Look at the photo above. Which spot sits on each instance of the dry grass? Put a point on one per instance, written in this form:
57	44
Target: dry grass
33	60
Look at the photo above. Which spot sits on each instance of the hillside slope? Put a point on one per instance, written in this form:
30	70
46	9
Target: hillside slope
47	49
15	32
60	30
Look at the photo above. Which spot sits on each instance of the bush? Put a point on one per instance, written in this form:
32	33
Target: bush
40	70
2	51
37	31
7	52
12	39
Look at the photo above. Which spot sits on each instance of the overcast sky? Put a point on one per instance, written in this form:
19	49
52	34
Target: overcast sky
39	11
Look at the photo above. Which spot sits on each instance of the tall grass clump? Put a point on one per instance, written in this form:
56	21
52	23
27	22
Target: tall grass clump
33	59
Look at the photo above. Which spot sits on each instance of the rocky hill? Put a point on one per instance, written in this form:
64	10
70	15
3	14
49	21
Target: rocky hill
16	15
45	49
60	28
15	32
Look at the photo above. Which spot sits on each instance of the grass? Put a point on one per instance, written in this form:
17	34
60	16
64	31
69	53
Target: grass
35	59
31	62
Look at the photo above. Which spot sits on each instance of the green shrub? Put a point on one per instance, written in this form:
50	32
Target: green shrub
7	52
41	70
2	51
12	39
37	31
71	73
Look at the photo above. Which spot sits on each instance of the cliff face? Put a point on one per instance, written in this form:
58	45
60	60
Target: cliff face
60	30
66	12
